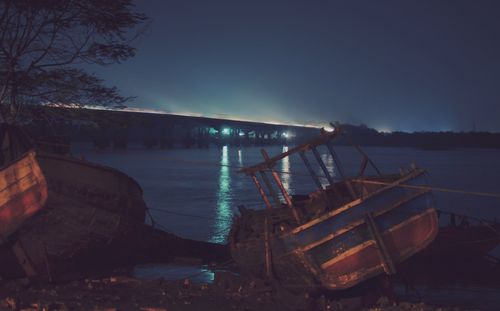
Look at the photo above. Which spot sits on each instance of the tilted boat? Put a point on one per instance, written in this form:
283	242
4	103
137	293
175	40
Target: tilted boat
80	207
63	218
346	232
55	208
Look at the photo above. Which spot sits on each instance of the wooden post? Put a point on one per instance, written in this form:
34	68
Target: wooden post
261	191
322	165
310	169
267	246
336	160
277	179
367	157
385	257
270	188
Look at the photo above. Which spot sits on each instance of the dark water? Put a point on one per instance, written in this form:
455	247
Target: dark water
206	182
195	192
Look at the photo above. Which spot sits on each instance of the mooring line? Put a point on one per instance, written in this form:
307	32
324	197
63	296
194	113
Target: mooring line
439	189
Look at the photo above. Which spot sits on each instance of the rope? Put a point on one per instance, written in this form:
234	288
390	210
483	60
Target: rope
215	233
483	194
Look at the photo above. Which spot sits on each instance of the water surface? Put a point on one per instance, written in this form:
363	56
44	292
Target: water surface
195	192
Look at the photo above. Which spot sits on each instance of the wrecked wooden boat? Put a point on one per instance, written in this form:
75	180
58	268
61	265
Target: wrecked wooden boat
64	218
346	232
56	207
86	206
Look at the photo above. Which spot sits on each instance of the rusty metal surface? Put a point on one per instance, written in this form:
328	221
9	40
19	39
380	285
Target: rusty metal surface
348	232
23	192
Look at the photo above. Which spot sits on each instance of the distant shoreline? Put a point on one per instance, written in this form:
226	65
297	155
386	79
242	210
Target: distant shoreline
116	129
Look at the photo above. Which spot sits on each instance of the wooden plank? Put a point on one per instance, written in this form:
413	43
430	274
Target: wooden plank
325	136
350	252
17	188
24	193
261	192
336	159
322	165
354	224
270	188
310	170
416	248
338	165
356	202
277	179
385	257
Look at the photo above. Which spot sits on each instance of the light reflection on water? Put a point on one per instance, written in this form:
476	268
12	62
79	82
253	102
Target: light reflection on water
286	179
213	191
223	209
174	272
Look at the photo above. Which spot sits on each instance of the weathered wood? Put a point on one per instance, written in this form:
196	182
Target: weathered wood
277	179
338	165
358	222
385	257
353	203
23	192
338	247
97	185
270	188
310	170
261	191
322	165
84	207
325	136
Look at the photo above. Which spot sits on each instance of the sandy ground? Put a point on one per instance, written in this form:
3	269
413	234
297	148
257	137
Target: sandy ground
226	293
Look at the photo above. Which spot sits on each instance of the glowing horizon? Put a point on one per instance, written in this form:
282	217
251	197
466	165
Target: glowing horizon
190	114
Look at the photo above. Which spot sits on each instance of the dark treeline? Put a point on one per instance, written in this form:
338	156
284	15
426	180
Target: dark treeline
363	135
116	129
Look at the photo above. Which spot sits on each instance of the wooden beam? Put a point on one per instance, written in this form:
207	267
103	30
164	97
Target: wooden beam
261	192
325	136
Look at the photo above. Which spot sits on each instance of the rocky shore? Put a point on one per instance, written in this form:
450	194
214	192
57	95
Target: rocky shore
227	292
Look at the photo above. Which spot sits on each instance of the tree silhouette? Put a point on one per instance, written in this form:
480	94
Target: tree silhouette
44	45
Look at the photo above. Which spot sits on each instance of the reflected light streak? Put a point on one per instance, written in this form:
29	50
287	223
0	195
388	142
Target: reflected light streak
240	158
328	160
285	167
223	212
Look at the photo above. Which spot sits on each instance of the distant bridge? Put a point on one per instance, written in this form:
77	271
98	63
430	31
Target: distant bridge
118	128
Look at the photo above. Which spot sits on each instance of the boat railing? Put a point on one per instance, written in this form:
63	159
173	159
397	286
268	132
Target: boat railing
267	166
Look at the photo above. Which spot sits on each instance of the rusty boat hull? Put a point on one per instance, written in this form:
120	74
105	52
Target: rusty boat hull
342	248
86	208
339	236
23	192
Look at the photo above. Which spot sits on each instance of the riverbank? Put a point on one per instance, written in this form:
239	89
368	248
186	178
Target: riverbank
227	292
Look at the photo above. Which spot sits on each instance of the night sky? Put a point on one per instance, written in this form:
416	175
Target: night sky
392	65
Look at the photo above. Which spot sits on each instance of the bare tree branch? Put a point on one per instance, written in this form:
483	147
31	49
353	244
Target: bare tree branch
41	41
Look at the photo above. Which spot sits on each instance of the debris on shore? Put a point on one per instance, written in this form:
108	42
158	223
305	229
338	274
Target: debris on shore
227	292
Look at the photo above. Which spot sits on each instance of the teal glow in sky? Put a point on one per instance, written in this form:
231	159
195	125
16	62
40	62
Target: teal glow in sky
393	65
